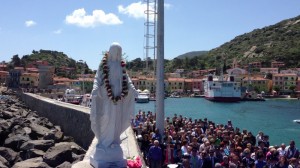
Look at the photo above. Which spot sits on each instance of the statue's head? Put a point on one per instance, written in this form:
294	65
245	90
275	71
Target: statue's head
115	52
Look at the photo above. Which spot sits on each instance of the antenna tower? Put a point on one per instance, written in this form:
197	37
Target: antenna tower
150	32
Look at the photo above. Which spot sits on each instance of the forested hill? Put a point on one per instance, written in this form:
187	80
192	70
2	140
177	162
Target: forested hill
279	42
54	58
192	54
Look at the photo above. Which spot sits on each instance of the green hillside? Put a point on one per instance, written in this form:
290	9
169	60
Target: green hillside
54	58
192	54
279	42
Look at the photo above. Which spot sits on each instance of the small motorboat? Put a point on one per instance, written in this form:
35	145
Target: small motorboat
142	98
297	121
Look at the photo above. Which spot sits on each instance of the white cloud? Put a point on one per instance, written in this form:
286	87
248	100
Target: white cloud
80	18
167	6
59	31
30	23
137	10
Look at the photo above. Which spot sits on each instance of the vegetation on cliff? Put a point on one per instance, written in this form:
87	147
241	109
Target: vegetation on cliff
278	42
54	58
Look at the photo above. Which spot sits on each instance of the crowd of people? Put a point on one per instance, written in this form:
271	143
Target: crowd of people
201	143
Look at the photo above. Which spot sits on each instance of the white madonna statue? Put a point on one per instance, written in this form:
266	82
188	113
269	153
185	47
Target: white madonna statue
113	97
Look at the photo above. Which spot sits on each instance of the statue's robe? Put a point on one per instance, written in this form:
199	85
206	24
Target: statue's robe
109	119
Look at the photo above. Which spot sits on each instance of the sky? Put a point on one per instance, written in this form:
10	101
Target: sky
84	29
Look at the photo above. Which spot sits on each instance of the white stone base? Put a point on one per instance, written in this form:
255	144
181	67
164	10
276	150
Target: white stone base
108	157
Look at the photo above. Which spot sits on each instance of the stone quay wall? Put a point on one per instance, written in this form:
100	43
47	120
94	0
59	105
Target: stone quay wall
73	119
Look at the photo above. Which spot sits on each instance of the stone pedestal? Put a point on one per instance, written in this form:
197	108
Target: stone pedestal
108	157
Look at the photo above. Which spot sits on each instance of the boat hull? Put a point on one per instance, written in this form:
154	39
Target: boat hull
223	99
142	100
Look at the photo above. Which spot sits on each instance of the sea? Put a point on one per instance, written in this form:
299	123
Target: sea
274	117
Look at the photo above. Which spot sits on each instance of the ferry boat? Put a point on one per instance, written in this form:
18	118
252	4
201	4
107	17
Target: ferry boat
220	90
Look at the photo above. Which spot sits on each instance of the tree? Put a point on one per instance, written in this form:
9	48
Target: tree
186	63
292	88
177	63
276	88
72	63
269	76
16	61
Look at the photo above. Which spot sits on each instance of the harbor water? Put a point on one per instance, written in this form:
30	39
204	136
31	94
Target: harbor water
274	116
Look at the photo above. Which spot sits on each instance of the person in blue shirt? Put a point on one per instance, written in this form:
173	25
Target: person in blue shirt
157	135
195	160
260	162
155	155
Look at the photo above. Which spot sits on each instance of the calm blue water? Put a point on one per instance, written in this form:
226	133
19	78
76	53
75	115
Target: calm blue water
274	116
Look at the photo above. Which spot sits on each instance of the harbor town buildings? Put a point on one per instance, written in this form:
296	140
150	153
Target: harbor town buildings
40	75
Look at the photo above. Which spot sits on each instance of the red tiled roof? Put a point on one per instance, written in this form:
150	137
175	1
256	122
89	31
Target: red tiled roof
289	74
4	72
176	80
30	74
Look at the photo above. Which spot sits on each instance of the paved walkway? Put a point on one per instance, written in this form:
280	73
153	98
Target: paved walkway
129	146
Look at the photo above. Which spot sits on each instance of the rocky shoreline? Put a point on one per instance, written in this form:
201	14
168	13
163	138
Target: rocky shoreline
27	140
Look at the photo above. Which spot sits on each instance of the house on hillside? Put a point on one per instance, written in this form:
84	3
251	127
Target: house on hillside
14	77
29	80
291	71
194	85
284	82
269	70
257	83
3	67
277	64
175	85
4	78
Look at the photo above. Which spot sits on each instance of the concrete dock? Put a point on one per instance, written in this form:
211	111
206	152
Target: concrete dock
129	146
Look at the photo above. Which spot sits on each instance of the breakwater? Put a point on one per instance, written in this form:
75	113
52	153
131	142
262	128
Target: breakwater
29	140
74	120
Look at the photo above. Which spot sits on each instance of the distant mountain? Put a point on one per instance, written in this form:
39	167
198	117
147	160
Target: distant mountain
192	54
279	42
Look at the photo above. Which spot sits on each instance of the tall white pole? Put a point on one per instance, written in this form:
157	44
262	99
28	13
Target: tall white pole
160	90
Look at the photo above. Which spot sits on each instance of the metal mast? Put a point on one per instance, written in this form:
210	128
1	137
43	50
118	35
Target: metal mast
160	90
150	31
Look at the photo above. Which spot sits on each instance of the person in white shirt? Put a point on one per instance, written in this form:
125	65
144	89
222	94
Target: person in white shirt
281	150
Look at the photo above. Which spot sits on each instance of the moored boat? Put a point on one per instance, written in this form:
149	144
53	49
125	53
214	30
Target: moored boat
220	90
142	98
